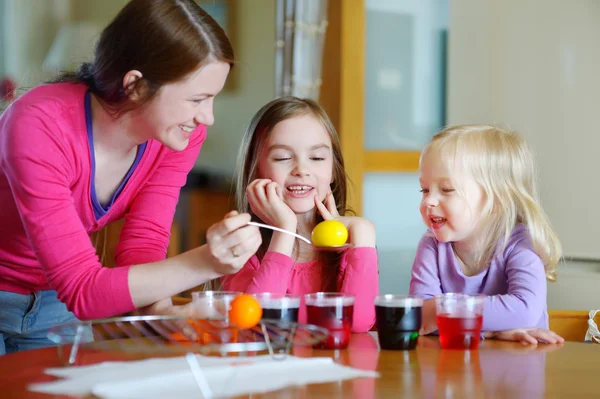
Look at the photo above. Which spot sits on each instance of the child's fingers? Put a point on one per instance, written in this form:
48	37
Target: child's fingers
322	209
250	189
529	341
556	337
525	338
279	191
271	192
427	329
257	185
261	190
252	200
256	192
231	214
331	206
560	339
548	336
254	183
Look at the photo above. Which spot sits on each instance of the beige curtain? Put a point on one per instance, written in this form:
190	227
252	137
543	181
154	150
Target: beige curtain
301	27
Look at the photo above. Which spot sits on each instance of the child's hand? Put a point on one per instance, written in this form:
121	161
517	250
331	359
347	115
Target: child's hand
328	208
266	201
428	317
527	336
361	232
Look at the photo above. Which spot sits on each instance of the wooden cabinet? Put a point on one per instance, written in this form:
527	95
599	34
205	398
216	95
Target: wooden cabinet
105	241
570	324
198	209
202	209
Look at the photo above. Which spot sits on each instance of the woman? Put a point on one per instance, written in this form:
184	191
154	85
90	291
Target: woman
116	139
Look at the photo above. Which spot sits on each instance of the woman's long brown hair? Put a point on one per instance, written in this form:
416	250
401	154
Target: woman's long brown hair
163	39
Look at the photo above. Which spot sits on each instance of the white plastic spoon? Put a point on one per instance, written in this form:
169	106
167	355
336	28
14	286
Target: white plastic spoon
306	240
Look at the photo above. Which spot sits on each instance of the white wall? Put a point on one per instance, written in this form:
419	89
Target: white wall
100	12
30	27
533	65
577	287
254	84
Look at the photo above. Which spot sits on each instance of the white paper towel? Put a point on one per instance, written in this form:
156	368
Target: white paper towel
173	378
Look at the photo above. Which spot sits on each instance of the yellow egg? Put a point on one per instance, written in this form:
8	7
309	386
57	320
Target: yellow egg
329	233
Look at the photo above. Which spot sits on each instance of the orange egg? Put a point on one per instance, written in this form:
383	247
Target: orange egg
245	311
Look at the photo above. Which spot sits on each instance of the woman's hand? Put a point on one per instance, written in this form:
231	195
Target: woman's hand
165	307
527	336
361	232
266	201
232	242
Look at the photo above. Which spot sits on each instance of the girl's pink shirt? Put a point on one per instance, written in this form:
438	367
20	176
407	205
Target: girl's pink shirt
277	273
46	214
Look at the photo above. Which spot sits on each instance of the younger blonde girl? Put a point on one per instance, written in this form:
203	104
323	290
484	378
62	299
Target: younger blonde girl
487	232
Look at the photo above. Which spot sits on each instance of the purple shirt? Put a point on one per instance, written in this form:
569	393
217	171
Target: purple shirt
514	282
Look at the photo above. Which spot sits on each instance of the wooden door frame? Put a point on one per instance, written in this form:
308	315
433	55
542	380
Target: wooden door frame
343	97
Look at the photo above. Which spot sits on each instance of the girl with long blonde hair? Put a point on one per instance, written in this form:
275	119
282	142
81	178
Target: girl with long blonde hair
487	231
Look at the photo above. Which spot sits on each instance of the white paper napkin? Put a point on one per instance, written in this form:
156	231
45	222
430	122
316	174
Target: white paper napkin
173	378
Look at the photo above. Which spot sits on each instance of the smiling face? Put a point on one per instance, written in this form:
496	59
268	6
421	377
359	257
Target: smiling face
178	108
452	213
298	157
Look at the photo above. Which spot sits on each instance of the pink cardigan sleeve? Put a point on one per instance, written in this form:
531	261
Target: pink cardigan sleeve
36	162
271	275
359	275
147	229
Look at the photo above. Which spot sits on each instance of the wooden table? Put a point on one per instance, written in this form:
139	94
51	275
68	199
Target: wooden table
496	370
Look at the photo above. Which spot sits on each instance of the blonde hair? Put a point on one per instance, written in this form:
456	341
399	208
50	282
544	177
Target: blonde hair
253	144
502	163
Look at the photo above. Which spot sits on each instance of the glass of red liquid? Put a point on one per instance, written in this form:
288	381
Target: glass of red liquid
459	320
333	311
279	307
398	321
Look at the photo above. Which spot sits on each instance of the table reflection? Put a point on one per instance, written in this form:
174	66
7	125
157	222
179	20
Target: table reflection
510	371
